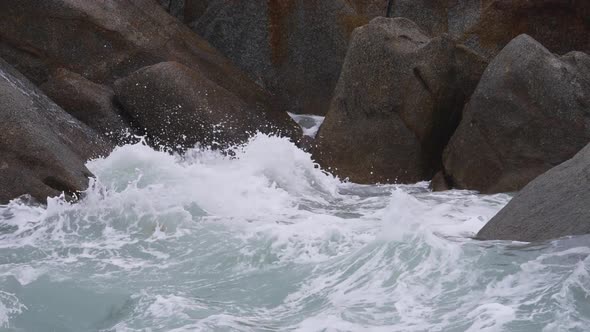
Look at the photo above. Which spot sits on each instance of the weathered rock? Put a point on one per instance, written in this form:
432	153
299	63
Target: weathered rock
105	41
174	7
554	205
294	48
488	25
306	143
180	107
561	26
397	103
42	148
370	8
529	113
91	103
429	15
463	15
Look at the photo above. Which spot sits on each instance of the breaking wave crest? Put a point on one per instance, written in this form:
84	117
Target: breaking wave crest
261	239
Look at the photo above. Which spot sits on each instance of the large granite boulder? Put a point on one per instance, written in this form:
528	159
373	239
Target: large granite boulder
554	205
43	149
179	107
91	103
104	41
107	40
529	113
398	101
561	26
294	48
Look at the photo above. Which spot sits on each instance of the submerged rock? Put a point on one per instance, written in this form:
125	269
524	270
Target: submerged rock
398	101
529	113
91	103
180	107
43	149
554	205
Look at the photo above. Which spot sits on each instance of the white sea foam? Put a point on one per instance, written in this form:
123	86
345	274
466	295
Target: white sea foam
310	124
10	306
261	239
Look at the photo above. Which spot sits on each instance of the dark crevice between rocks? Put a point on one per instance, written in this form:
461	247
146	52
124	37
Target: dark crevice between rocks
134	129
447	116
390	5
418	75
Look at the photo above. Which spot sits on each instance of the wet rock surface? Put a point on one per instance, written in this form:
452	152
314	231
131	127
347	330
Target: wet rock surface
529	113
43	149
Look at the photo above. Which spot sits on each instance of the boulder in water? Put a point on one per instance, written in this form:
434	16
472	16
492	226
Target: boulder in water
554	205
529	113
180	107
43	149
398	101
91	103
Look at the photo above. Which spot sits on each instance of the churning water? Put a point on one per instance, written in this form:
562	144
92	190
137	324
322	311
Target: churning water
265	241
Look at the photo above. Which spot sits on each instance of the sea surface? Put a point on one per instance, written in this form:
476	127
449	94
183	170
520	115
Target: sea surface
261	239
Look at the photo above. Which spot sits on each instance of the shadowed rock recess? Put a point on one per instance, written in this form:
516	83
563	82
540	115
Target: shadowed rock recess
42	148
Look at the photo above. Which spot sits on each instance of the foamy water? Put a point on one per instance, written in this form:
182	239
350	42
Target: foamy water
266	241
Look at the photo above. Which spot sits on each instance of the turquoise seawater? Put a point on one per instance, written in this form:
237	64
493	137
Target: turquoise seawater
266	241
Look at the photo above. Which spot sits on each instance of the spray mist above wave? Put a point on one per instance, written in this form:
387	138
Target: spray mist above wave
266	178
